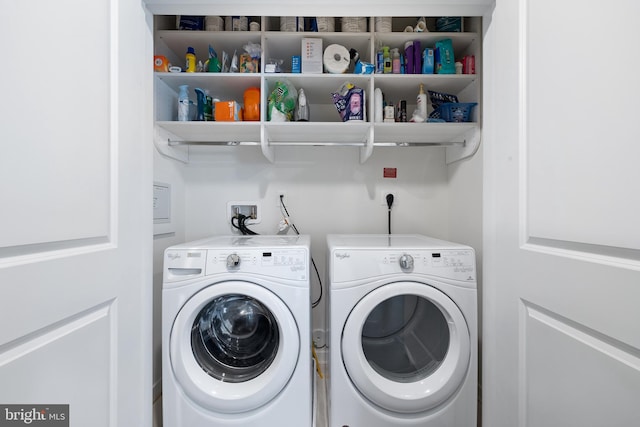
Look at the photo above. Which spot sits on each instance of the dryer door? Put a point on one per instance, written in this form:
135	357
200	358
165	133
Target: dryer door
234	346
406	347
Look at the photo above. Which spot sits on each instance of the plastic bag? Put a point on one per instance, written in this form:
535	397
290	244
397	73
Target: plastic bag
350	102
282	102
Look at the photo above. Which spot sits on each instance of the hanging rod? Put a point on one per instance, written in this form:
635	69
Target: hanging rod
317	143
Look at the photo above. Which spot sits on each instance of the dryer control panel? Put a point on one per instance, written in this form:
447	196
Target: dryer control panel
356	264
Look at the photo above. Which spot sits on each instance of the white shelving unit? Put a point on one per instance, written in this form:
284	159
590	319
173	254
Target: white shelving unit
325	127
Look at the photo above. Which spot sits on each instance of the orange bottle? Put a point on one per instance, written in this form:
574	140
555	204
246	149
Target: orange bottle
252	104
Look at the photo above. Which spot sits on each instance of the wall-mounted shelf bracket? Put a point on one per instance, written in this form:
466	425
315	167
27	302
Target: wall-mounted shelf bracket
467	149
367	150
163	142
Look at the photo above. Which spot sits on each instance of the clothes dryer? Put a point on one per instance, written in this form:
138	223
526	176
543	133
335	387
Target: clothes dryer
402	332
236	332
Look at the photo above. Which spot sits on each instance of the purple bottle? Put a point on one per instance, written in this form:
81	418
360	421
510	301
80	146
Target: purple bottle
408	51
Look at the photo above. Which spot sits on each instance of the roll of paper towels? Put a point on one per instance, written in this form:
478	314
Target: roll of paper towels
336	59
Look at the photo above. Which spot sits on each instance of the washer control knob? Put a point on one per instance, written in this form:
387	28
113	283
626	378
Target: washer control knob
406	262
233	261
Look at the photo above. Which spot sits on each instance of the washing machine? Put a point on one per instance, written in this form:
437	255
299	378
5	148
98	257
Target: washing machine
402	313
236	332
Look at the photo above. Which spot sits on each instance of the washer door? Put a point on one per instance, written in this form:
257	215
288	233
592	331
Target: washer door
406	347
234	346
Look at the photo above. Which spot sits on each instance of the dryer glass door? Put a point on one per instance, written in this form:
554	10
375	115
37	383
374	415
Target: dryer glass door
234	338
405	338
406	347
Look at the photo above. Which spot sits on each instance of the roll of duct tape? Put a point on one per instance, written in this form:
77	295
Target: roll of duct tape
336	59
408	29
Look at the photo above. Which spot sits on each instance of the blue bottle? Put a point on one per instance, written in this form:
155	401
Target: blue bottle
183	104
201	99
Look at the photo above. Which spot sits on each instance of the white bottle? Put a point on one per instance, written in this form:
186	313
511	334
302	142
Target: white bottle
301	113
421	103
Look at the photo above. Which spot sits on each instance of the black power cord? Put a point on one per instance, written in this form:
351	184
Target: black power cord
316	302
242	219
389	204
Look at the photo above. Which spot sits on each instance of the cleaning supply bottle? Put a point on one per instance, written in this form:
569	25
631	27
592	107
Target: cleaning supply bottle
386	58
302	109
201	104
395	54
183	103
208	106
421	102
190	57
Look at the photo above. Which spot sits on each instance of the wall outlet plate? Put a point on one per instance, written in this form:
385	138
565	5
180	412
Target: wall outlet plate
251	209
383	197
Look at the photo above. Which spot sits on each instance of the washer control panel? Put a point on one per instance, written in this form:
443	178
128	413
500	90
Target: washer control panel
286	263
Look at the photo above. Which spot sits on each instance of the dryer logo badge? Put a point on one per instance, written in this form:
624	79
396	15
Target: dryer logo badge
342	256
172	255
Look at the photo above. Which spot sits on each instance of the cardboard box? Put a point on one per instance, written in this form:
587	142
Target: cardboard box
311	56
228	111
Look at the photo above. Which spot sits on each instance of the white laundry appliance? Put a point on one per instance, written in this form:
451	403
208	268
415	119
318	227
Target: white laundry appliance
402	332
236	332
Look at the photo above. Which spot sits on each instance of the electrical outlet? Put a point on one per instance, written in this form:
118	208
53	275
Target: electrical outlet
319	338
383	197
278	194
248	208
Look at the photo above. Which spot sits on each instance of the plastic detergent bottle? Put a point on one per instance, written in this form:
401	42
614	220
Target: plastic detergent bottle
386	59
395	54
421	102
190	58
183	104
208	106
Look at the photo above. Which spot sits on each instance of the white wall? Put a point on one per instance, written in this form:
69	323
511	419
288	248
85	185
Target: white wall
170	172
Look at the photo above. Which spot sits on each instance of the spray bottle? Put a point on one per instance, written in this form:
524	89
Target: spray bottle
302	109
201	104
183	104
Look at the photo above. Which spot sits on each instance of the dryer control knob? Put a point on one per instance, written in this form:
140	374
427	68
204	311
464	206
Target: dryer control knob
233	261
406	262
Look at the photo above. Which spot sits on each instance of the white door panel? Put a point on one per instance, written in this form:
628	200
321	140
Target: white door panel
561	337
57	125
580	157
75	223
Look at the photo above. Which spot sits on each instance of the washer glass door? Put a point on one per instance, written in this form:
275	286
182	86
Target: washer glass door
406	347
234	346
235	338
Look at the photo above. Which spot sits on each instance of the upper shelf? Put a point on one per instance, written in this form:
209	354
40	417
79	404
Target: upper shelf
326	128
323	8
